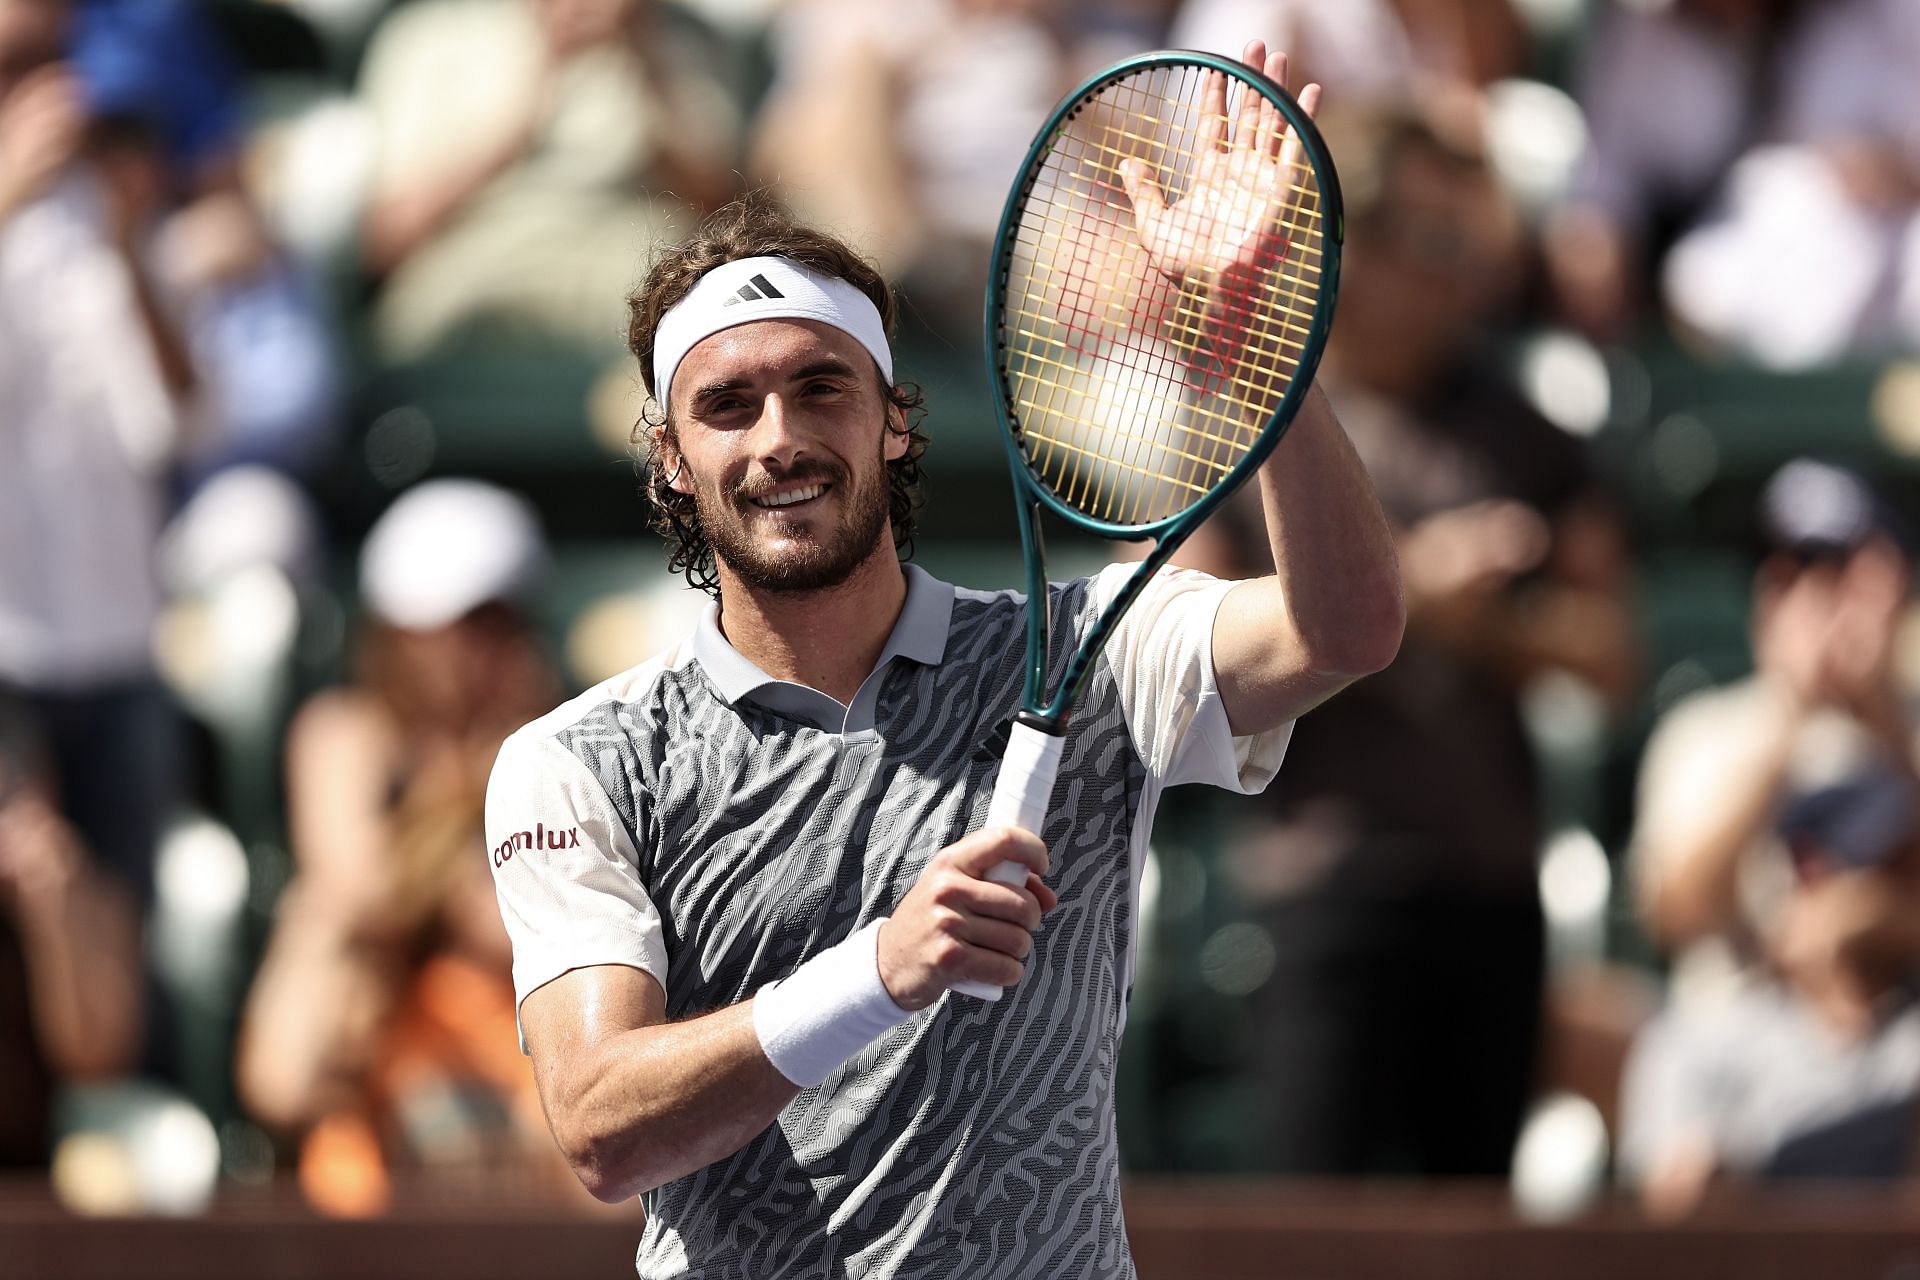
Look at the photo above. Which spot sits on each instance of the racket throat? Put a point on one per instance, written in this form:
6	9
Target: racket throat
1053	726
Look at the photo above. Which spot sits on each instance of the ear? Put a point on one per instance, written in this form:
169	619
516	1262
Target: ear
897	441
667	456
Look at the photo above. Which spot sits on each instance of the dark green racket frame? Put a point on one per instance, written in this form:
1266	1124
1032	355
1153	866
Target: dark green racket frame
1031	495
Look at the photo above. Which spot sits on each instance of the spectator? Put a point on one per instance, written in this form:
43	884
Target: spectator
268	383
93	377
1671	94
1812	252
1822	704
169	106
1372	51
1393	862
528	149
70	972
1812	1069
380	1027
902	124
1753	161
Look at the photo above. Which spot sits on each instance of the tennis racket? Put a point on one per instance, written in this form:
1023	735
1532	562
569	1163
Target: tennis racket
1161	289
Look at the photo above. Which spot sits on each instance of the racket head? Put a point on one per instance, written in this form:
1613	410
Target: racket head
1094	352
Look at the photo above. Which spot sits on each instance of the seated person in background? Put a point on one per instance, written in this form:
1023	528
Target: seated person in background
526	148
381	1025
95	384
1671	94
1771	142
169	109
1393	862
1373	51
900	124
1823	703
70	968
1812	1070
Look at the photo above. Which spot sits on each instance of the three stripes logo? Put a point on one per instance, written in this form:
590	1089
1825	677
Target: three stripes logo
757	289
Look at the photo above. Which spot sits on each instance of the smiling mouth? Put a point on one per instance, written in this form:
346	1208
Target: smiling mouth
792	497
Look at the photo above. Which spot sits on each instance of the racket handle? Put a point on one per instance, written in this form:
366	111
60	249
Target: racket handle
1019	800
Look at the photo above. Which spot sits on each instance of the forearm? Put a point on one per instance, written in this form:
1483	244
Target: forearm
400	221
645	1106
318	1004
1692	890
1332	610
169	345
82	946
1559	627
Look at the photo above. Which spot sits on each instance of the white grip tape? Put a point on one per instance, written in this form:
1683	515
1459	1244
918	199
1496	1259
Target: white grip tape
1020	798
827	1010
1021	792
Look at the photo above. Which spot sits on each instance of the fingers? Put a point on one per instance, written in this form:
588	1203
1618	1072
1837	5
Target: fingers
999	937
1043	894
1247	122
1143	191
1273	125
980	852
957	925
1213	113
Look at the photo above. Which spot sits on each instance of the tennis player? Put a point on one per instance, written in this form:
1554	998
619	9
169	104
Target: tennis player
742	877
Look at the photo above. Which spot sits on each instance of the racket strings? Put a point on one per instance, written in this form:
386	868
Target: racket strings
1135	393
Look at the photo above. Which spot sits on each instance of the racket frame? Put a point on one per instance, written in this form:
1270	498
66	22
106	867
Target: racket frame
1031	495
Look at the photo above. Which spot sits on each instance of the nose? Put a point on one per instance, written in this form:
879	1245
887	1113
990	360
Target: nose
777	441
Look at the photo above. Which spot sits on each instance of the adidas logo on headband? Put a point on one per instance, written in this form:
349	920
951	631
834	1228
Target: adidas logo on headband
779	288
756	289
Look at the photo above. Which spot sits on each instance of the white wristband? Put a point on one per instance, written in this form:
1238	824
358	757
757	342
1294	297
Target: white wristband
827	1010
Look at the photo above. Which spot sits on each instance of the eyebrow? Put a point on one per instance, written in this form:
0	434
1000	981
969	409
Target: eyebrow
824	367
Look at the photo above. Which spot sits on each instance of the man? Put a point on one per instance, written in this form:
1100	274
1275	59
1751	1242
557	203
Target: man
1774	858
1824	702
1812	1068
95	382
498	199
742	878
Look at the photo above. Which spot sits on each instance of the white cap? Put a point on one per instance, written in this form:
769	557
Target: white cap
447	547
244	516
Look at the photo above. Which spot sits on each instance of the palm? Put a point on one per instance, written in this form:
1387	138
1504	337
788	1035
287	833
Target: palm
1229	220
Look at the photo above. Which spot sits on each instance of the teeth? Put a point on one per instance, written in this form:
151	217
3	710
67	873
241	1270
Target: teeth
797	495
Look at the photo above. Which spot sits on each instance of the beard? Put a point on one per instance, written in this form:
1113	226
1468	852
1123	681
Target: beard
803	561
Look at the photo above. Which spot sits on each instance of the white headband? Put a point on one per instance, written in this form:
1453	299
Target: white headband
750	289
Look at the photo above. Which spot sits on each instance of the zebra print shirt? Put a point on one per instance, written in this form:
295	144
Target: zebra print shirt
697	820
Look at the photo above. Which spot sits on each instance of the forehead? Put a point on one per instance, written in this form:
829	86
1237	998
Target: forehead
766	350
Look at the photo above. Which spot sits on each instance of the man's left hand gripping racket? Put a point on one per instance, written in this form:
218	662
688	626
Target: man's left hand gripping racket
1161	290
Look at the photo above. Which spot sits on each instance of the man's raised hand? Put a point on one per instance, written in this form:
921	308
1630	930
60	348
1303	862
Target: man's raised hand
1230	217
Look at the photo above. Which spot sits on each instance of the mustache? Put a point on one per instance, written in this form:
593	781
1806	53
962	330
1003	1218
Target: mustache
752	488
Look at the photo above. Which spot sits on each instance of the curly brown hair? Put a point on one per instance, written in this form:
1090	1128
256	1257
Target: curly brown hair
753	226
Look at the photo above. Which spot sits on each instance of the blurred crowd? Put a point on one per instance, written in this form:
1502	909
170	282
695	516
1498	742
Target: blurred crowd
1612	877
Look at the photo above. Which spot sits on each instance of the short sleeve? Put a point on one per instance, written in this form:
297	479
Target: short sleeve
565	870
1665	1106
1161	656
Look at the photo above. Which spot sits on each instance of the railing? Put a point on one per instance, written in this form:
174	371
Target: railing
1182	1229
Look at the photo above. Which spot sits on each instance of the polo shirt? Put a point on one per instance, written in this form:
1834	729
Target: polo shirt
714	827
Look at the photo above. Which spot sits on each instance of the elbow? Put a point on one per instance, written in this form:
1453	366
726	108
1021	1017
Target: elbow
1385	627
1365	635
609	1174
1676	919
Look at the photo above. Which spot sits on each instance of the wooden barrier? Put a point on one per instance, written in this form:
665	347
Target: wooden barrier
1181	1229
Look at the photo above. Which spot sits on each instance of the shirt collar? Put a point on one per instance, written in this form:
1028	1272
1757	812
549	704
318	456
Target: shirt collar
919	634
